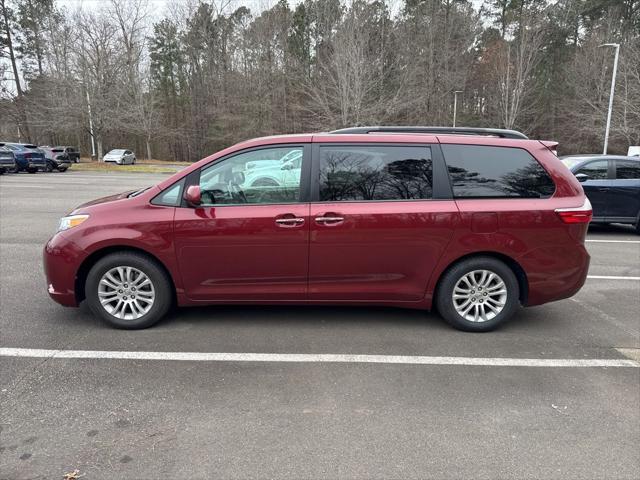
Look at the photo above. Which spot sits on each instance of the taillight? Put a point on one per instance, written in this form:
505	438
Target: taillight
581	214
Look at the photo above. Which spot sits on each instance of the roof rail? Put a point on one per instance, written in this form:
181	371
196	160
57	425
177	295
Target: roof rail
494	132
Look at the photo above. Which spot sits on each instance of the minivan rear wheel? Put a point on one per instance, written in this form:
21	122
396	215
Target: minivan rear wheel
478	294
128	290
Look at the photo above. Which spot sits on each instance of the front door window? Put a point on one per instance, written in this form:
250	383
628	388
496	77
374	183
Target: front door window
269	175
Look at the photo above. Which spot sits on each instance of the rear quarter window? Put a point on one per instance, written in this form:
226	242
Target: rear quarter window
478	171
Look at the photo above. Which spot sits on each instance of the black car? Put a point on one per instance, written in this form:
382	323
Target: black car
72	152
612	184
57	159
7	160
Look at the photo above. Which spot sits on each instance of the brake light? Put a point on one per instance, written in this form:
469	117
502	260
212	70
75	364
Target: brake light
581	214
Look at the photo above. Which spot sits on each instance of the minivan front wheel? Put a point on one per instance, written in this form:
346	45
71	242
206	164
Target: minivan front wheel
478	294
128	290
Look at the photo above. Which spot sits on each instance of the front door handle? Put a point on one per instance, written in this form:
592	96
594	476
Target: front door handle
290	222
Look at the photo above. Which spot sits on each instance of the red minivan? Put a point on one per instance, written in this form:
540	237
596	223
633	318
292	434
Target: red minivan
471	222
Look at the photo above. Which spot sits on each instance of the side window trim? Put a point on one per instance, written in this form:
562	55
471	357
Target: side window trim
441	186
193	178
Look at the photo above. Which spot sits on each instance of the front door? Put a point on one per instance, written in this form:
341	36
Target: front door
596	186
376	232
249	240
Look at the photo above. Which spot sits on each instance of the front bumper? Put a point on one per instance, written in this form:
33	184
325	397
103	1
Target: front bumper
62	259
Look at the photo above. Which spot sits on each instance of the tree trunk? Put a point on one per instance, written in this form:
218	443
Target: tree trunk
99	142
23	128
148	142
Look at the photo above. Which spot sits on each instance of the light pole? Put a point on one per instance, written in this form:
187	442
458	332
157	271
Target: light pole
455	105
613	89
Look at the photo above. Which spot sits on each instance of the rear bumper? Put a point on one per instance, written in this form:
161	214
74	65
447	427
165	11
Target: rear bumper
555	272
61	259
38	165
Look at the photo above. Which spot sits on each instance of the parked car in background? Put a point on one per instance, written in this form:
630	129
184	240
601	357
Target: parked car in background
612	184
29	158
7	160
57	159
473	222
634	151
72	152
120	157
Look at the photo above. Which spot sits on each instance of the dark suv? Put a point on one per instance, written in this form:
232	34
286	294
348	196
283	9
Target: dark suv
472	222
612	184
7	160
28	157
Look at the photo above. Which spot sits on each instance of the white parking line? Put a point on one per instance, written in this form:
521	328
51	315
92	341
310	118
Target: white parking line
318	358
611	277
612	241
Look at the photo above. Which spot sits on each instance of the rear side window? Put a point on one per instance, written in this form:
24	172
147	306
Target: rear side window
361	173
478	171
627	169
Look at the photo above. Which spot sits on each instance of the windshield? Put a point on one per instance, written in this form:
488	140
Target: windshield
116	152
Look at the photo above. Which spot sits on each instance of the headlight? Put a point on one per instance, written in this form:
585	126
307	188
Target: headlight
71	221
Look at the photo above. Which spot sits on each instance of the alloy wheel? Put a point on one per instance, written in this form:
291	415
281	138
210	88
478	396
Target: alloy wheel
479	296
126	293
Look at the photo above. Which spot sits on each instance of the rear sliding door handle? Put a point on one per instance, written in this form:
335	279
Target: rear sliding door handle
329	219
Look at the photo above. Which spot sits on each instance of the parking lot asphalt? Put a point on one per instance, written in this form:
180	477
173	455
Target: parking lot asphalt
141	418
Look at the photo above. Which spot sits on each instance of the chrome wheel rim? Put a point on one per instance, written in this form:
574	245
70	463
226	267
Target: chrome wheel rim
126	293
479	296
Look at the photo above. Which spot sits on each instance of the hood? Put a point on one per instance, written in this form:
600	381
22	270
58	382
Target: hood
110	198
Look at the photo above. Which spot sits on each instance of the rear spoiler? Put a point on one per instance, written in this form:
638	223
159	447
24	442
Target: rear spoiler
553	146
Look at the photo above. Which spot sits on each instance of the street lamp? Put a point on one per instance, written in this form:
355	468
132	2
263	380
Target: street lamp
455	105
613	88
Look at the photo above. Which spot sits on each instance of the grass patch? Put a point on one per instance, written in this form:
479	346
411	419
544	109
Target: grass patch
109	167
143	162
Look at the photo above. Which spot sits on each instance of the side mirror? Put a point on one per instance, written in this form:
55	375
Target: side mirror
582	177
192	196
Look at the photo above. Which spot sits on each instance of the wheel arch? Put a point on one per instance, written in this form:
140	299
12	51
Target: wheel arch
516	268
90	261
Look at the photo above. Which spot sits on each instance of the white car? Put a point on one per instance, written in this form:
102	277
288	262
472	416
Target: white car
120	157
284	172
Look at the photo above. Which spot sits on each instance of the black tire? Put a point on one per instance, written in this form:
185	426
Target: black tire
62	169
159	279
134	161
15	170
444	294
50	167
32	170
